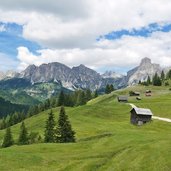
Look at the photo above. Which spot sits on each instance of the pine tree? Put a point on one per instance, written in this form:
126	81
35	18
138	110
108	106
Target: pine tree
148	80
64	132
162	75
111	88
88	95
169	75
107	89
8	139
156	80
3	124
61	99
50	128
23	136
95	94
81	100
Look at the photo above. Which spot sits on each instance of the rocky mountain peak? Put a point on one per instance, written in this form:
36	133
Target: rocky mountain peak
145	61
111	74
141	73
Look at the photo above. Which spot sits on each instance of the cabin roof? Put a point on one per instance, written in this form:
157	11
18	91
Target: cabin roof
122	97
136	92
142	111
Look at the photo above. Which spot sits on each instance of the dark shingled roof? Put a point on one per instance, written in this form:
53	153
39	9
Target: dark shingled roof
122	98
142	111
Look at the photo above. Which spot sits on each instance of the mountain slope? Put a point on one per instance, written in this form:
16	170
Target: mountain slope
105	140
77	77
7	107
141	73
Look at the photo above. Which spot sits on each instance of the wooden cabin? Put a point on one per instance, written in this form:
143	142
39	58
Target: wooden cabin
138	98
122	99
148	92
140	116
136	93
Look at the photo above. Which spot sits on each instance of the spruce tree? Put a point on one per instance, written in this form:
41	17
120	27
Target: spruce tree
111	88
64	132
107	89
50	128
81	99
148	80
61	99
23	136
88	95
95	94
162	75
169	75
8	139
156	80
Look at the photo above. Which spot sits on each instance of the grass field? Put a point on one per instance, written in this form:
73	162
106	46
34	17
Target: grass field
106	141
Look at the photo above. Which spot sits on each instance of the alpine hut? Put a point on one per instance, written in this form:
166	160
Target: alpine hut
139	116
122	99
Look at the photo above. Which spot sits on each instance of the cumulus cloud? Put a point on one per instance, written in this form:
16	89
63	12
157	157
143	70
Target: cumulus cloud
67	31
91	18
125	52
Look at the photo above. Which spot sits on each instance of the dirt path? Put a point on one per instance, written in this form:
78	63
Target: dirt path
162	119
154	117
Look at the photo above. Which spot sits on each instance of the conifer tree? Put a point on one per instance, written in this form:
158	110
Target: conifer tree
88	95
169	75
162	75
111	88
156	80
107	89
23	136
95	94
8	139
81	99
50	128
3	123
148	80
61	99
64	132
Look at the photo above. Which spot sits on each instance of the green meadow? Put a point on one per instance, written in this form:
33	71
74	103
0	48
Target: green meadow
106	141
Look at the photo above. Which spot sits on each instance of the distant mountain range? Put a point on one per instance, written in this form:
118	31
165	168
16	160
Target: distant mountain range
40	82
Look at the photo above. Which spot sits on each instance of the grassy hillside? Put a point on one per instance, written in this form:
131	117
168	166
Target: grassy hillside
105	139
159	102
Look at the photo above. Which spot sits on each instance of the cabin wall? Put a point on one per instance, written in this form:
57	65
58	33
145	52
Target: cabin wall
134	119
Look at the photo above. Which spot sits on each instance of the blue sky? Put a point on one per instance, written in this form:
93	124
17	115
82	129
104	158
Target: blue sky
11	38
143	32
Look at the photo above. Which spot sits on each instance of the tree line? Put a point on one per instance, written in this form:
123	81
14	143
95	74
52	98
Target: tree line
77	98
158	80
60	132
109	88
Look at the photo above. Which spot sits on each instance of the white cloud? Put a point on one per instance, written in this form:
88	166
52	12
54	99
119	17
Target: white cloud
68	30
125	52
77	23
